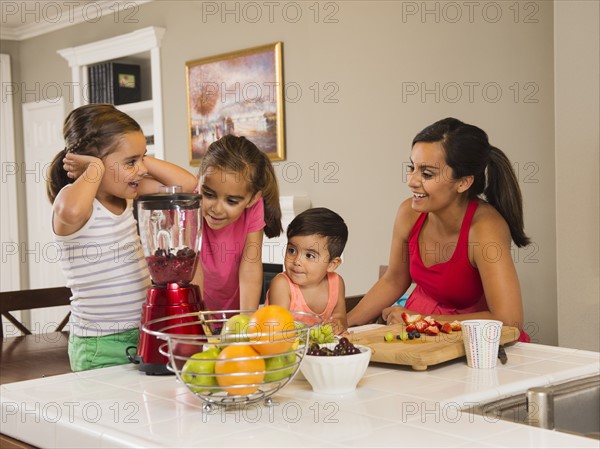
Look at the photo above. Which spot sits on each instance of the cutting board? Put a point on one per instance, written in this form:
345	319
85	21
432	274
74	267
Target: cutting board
420	352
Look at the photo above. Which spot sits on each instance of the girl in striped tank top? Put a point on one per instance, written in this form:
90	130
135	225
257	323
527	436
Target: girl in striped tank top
91	185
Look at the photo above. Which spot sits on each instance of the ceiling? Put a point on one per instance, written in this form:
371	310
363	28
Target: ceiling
25	19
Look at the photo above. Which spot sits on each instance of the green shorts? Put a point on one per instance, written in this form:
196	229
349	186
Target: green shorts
99	352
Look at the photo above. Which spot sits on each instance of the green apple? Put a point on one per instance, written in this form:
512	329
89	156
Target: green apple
277	362
199	370
237	327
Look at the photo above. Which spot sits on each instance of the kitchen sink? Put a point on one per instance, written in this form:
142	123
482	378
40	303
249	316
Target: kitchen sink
571	407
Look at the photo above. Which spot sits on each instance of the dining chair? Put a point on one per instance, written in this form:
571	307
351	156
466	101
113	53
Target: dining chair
33	299
270	270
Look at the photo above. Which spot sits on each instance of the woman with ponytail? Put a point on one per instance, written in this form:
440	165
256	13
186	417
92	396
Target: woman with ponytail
240	204
452	238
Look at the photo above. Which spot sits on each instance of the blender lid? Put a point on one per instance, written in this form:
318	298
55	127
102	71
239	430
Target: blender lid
165	201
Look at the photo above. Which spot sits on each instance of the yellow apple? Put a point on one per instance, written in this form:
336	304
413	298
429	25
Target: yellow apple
236	328
199	370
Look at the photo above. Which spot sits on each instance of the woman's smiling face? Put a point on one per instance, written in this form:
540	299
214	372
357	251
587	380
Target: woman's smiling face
430	178
225	195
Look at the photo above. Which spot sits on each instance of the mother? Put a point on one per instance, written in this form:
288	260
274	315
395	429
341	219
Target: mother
453	237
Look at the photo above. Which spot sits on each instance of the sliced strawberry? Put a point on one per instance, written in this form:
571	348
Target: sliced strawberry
421	325
432	330
456	326
411	327
446	328
409	319
432	322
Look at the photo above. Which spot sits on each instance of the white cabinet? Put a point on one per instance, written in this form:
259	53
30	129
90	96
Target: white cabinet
140	47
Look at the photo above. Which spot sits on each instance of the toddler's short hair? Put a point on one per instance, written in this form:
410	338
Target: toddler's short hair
323	222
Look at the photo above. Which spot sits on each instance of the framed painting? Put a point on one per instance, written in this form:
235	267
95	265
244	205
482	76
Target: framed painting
238	93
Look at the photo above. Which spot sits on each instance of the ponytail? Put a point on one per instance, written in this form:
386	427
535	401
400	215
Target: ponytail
270	194
93	130
502	191
57	176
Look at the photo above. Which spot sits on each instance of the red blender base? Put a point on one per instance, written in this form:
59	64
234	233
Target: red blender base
164	302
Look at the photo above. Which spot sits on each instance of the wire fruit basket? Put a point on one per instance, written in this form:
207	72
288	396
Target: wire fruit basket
224	369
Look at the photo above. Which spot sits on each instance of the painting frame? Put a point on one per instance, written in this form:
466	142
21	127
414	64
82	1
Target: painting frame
240	93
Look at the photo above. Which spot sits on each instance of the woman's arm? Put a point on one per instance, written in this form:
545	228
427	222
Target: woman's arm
493	258
251	271
163	173
396	280
338	319
73	206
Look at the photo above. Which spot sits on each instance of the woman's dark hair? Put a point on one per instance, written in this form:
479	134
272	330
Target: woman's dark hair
92	130
469	153
324	222
238	154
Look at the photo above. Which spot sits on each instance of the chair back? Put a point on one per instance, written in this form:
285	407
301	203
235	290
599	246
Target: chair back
33	299
270	270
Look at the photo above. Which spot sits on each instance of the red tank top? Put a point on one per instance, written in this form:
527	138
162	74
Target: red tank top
445	288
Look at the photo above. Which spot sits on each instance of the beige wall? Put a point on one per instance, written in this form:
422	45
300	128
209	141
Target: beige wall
577	156
351	152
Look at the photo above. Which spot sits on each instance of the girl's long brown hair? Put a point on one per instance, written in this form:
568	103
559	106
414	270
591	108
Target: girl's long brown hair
238	154
92	130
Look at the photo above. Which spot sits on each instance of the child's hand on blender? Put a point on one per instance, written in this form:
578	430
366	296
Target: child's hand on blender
76	164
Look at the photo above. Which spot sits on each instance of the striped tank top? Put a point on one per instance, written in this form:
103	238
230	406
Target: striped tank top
106	271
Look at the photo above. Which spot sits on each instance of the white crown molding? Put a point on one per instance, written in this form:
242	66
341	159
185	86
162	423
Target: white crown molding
63	19
115	47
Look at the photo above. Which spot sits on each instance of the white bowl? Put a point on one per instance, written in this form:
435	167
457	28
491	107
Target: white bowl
335	374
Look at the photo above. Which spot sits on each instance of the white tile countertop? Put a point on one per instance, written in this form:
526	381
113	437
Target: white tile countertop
393	406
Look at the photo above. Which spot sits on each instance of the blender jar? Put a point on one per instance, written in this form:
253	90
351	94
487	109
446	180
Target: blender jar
169	225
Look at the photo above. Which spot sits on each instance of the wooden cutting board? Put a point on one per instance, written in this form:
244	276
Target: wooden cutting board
420	352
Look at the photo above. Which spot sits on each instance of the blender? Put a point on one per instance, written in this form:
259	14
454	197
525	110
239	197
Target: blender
169	225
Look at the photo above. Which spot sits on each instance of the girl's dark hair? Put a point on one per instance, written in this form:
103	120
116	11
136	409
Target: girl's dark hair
323	222
238	154
469	153
91	130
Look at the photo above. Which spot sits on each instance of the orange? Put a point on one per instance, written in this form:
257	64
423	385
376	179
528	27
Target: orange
274	323
231	361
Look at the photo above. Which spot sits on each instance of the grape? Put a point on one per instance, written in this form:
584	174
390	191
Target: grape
322	334
389	336
314	333
341	349
327	329
403	336
326	352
